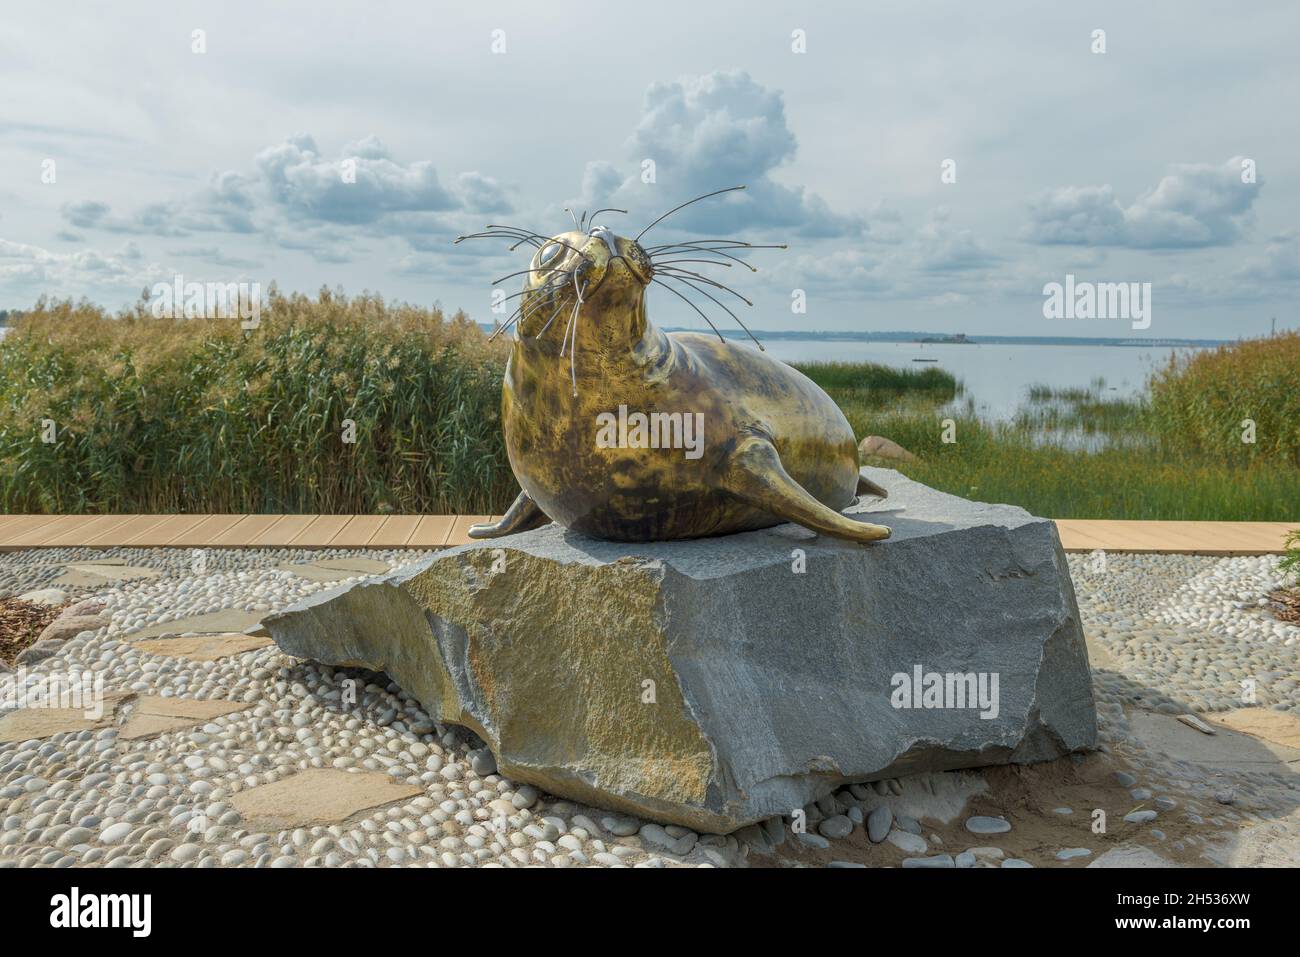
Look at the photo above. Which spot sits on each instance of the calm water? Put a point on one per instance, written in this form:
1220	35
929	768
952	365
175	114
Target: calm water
997	377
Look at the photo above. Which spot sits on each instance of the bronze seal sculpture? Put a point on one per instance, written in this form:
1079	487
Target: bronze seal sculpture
620	431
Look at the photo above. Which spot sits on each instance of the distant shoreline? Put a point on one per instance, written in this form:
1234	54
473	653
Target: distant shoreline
914	338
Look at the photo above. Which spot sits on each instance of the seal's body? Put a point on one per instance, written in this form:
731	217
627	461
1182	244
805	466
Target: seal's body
620	431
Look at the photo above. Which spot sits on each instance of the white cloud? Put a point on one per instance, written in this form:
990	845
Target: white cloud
1194	205
709	132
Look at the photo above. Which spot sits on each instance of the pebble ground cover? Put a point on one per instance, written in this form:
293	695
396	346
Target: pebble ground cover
218	750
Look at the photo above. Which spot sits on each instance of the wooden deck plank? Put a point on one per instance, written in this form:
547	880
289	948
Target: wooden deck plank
203	534
395	531
22	524
460	528
319	532
160	533
13	521
245	531
91	527
41	533
435	531
357	532
282	533
1075	538
432	531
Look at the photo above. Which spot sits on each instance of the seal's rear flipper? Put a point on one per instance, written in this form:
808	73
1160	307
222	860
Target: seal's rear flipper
757	477
522	516
868	487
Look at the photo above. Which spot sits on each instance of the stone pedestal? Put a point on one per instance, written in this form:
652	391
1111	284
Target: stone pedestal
717	682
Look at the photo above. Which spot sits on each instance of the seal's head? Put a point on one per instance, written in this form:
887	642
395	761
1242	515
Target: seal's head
590	284
602	273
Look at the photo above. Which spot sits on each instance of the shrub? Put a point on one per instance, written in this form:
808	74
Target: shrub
1199	401
198	415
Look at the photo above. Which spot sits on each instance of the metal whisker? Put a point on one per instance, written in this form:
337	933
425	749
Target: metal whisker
712	282
524	272
573	340
606	209
709	250
704	292
716	192
725	243
519	315
692	305
709	262
499	235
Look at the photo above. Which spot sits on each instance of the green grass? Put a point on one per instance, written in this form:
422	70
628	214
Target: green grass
881	385
1025	462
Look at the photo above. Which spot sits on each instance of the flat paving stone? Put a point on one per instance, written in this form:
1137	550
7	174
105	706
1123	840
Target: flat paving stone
221	622
203	647
26	724
103	573
156	715
318	796
1229	749
335	569
1275	726
1131	856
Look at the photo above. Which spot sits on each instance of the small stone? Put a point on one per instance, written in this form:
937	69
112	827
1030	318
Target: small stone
1194	722
1140	817
115	833
1070	853
620	826
879	821
836	828
1015	862
50	597
908	842
813	840
483	762
987	825
939	860
39	651
1125	779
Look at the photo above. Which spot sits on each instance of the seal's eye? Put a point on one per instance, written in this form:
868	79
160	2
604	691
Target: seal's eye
548	254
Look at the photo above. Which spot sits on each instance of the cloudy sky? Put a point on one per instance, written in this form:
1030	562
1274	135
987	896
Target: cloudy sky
1171	158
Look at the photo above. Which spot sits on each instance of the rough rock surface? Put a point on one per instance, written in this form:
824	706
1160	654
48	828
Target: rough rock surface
716	682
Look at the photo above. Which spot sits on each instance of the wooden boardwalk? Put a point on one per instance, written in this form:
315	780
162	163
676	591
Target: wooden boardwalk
437	531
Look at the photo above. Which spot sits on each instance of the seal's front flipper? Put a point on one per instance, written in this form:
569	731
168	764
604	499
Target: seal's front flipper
524	514
757	476
868	487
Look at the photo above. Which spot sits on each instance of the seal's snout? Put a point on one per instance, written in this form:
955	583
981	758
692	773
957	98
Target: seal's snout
608	238
626	252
